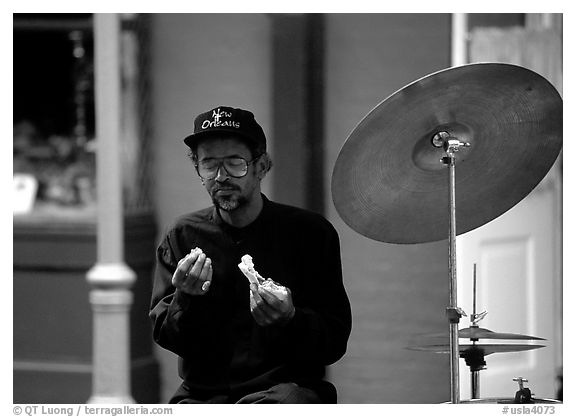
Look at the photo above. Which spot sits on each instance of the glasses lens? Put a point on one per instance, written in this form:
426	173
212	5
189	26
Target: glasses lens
208	168
235	167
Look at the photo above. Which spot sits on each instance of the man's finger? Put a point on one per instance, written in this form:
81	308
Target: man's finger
259	316
261	304
181	274
186	262
179	277
190	260
270	298
206	267
206	275
196	268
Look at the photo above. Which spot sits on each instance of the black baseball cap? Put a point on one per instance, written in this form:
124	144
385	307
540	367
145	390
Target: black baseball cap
224	119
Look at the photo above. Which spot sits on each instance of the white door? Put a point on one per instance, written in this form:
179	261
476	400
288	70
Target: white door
519	254
518	261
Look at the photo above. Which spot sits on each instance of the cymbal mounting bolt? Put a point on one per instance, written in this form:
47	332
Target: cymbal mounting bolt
440	138
475	318
454	314
449	143
520	381
453	145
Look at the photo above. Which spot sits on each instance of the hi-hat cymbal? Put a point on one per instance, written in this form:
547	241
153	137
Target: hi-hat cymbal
476	333
485	349
388	182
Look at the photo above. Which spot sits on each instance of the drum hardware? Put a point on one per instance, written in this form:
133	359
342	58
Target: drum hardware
476	333
523	395
474	358
474	354
389	184
451	145
475	317
471	349
475	362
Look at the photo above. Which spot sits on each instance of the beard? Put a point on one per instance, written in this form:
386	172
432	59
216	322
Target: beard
229	203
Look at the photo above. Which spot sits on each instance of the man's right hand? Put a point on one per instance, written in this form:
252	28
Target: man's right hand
193	274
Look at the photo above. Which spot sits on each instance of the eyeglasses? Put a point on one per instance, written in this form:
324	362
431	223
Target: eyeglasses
236	167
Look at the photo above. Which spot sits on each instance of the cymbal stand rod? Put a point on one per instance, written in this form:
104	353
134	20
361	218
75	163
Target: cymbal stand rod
453	314
451	145
474	296
475	373
475	384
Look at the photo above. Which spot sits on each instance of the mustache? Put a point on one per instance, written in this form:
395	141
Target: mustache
228	187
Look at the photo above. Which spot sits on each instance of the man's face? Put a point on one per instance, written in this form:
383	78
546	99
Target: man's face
229	193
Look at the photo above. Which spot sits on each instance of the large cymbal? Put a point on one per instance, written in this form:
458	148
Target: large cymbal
485	349
388	182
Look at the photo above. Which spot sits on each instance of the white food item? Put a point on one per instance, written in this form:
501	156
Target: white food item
278	290
247	267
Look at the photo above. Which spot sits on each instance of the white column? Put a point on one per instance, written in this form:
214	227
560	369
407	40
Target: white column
459	42
110	279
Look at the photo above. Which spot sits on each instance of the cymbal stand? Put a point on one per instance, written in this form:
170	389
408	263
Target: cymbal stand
451	145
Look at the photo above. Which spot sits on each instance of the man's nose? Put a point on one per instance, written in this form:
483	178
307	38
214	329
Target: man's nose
221	174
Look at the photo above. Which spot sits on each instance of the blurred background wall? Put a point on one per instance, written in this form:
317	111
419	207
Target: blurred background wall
395	292
309	79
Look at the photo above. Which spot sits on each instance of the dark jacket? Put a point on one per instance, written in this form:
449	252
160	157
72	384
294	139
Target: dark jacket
222	348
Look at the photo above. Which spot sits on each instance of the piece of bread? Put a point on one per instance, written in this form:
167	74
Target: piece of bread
247	267
276	289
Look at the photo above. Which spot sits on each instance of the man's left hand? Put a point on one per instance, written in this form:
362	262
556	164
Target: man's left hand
269	309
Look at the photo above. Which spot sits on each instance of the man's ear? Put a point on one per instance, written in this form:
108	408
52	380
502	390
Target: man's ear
264	165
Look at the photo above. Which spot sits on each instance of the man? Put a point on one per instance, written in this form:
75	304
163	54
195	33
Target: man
239	342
